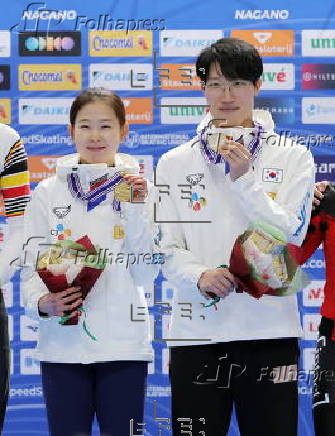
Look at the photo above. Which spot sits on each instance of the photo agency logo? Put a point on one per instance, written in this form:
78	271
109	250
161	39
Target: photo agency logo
37	16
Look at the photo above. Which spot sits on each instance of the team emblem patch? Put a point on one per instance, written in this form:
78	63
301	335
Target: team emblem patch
61	211
194	179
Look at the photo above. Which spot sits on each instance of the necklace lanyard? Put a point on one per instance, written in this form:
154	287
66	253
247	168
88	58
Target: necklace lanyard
94	197
215	158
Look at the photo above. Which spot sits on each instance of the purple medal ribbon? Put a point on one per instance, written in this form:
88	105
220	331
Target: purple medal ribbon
214	157
97	195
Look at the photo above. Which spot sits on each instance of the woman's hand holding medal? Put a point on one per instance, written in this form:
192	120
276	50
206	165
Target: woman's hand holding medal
132	189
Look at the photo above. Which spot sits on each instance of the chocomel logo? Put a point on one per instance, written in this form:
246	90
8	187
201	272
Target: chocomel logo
318	42
268	43
53	77
120	43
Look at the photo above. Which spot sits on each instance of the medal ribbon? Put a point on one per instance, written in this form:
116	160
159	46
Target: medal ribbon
97	195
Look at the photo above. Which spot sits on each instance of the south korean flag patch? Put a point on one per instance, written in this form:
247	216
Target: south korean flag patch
273	175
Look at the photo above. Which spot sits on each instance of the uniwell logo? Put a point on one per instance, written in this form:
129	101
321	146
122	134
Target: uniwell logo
269	43
313	294
41	167
278	77
186	42
50	43
120	43
138	110
177	112
261	14
50	77
179	77
5	111
121	77
318	42
44	110
318	110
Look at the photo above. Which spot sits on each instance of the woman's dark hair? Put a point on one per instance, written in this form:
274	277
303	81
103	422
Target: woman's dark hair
237	59
92	95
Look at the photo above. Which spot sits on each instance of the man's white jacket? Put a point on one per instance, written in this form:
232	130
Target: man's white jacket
201	213
116	309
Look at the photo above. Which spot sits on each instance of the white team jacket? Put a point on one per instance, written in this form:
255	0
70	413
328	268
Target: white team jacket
116	296
277	189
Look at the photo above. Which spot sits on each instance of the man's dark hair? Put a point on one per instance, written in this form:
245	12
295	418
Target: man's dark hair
237	59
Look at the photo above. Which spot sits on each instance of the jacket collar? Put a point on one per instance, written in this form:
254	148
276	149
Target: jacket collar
88	172
263	117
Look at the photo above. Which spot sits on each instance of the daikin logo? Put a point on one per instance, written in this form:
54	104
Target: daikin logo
262	37
261	14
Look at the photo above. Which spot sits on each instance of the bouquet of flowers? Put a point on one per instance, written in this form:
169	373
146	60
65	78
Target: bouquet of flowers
71	263
262	264
261	261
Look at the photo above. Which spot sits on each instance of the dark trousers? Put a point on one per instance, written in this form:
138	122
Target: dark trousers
258	376
113	391
324	381
4	361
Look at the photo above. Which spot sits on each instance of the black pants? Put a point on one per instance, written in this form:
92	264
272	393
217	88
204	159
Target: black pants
258	376
324	381
113	391
4	361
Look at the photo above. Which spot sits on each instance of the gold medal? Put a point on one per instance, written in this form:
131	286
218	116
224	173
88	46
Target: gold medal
122	192
118	232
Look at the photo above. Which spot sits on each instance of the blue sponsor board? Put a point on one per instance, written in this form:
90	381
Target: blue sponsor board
282	109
